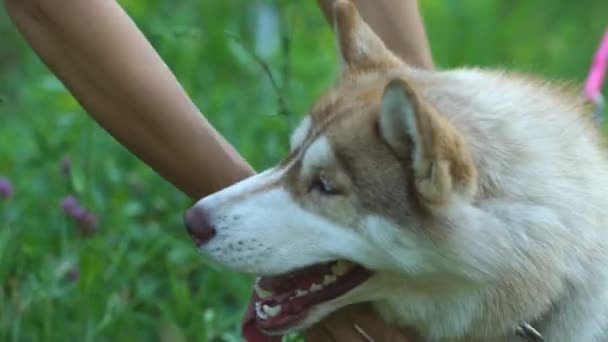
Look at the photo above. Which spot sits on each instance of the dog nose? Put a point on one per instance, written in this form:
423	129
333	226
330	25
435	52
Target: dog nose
197	223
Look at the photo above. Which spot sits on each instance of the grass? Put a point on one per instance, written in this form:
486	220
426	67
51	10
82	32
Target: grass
146	282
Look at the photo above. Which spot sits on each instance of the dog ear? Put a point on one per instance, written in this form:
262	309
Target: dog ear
415	131
359	46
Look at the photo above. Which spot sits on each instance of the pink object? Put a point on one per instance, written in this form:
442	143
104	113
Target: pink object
595	79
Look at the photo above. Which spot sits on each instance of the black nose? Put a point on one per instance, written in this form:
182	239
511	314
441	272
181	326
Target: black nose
197	223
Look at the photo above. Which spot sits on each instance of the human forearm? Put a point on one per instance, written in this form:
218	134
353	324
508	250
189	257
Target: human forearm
398	23
112	70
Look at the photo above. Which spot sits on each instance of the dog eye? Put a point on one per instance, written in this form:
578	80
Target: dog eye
323	186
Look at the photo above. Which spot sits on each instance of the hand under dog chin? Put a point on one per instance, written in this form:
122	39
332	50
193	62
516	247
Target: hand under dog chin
358	322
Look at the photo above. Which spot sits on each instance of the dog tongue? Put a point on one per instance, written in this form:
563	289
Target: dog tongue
250	330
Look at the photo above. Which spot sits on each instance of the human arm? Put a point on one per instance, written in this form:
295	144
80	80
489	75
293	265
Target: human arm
113	71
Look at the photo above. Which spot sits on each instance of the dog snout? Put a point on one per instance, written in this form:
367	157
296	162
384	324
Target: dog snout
198	224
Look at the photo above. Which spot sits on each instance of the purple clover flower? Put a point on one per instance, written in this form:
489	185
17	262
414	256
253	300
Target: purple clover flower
70	205
6	188
86	221
79	213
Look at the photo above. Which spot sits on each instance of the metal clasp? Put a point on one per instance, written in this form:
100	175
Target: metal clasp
528	332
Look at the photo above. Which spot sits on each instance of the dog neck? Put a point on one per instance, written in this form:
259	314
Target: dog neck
438	323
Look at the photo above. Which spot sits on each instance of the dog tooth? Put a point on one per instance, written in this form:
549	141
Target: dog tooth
263	294
315	287
340	267
259	312
328	279
271	311
334	269
300	293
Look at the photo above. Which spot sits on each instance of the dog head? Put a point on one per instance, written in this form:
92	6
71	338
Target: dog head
352	208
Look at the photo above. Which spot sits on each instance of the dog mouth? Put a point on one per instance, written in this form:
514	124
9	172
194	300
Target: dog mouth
284	300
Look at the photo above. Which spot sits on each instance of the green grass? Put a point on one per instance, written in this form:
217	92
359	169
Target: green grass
138	277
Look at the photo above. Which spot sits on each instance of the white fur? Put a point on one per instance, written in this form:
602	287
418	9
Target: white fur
398	120
319	153
250	240
299	134
397	115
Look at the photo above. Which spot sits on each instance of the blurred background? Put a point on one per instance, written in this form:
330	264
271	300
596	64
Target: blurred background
92	246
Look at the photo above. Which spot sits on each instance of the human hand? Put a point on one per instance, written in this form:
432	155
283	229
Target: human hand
357	323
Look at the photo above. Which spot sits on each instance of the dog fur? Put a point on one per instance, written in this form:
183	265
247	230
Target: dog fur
477	197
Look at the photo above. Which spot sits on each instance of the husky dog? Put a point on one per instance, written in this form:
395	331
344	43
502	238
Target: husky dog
461	202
